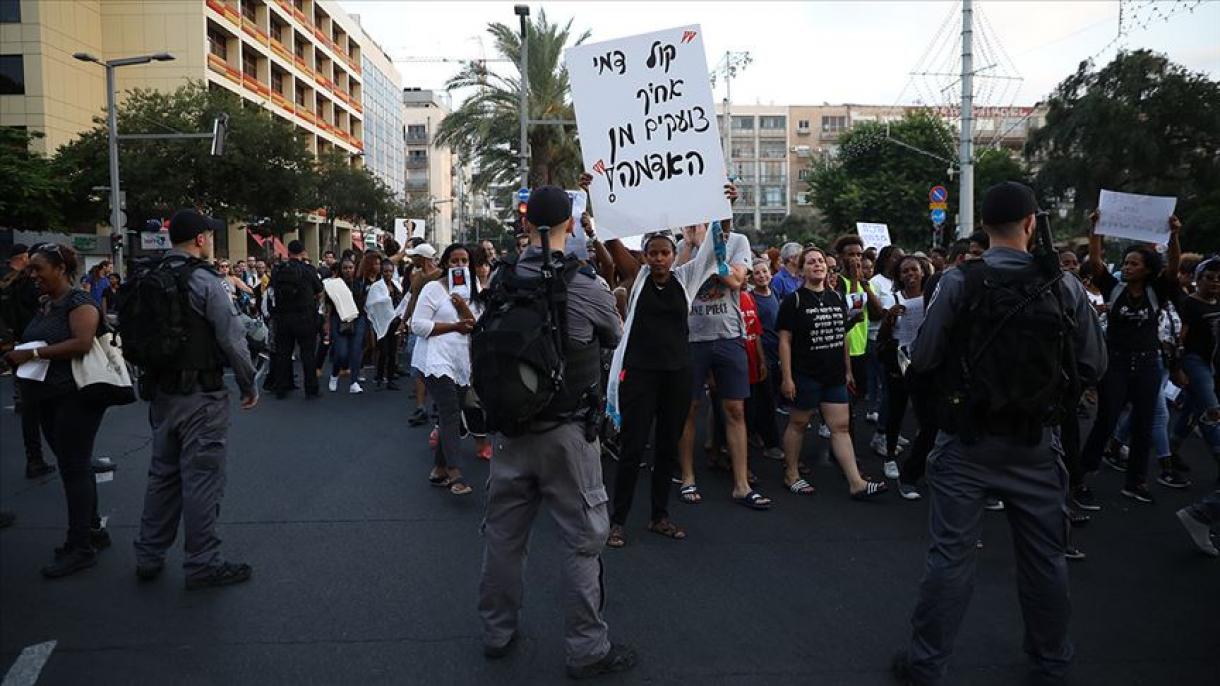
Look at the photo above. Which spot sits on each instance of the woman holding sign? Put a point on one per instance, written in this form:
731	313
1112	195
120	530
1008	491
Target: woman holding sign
1135	370
815	365
444	318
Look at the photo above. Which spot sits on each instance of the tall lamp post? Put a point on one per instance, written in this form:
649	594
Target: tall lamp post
523	13
112	127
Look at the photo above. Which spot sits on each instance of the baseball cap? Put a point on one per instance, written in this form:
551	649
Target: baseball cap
18	249
422	250
187	223
548	206
1008	202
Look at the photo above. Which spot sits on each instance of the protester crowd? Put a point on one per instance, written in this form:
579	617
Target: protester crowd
700	334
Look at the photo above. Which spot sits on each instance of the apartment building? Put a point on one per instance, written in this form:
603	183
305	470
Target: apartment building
757	155
384	144
431	170
302	60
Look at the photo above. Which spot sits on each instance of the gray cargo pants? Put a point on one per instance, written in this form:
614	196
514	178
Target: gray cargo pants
186	478
563	469
1032	481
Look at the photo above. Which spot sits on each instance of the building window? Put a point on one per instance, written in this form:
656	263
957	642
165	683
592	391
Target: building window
773	172
742	149
773	123
249	63
10	11
743	171
833	124
12	75
300	97
772	149
417	132
277	31
773	196
249	11
803	174
743	123
277	81
218	44
802	125
298	46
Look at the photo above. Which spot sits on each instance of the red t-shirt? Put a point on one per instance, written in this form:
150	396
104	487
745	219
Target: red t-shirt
754	330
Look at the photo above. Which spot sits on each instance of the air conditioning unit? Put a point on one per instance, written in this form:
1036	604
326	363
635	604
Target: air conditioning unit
803	199
801	150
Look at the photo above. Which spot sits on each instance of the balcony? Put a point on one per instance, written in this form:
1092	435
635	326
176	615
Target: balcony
281	50
305	113
225	9
220	66
417	184
414	138
279	99
251	82
253	30
417	163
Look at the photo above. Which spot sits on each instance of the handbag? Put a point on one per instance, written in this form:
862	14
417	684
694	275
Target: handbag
101	374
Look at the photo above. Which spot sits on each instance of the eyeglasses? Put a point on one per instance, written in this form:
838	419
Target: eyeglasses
49	248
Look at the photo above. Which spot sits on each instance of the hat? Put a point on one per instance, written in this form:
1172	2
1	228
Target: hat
1008	202
18	249
186	224
422	250
548	206
295	247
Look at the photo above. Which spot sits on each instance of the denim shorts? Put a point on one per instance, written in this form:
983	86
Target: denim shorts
811	393
727	361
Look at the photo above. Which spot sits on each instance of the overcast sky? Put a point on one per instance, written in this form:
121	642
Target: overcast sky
814	52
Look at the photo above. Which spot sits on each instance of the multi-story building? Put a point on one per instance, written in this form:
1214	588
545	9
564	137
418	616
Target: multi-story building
384	145
431	168
758	160
302	60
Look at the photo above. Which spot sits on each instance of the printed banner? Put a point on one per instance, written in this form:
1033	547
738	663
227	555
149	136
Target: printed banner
648	131
1143	218
874	235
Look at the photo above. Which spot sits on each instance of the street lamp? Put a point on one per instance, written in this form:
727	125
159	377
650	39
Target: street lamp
112	128
523	13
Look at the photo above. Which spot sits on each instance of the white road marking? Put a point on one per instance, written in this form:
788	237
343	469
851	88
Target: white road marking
28	666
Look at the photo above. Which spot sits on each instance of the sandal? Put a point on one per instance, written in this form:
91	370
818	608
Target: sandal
615	539
690	494
439	479
459	487
753	500
870	490
667	529
801	487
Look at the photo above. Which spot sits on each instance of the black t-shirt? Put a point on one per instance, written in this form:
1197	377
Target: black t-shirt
51	325
818	323
1131	324
1200	320
659	329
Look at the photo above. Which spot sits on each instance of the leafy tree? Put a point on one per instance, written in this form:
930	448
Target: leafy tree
32	193
487	127
352	194
876	180
1141	124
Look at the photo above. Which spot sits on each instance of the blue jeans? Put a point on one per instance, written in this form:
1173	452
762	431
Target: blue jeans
1200	398
1160	423
347	349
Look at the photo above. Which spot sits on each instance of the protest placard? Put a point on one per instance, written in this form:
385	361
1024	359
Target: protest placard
874	235
578	206
648	131
1143	218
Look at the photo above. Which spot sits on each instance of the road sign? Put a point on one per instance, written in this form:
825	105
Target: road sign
523	195
155	241
938	194
938	216
938	206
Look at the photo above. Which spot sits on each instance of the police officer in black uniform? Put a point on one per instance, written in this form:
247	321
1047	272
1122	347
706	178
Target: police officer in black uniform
295	288
1017	458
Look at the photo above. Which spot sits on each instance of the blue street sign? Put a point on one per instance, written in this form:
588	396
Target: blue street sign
938	216
938	194
523	195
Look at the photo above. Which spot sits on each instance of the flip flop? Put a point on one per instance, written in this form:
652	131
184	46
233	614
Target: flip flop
690	494
459	487
871	490
753	500
801	487
439	479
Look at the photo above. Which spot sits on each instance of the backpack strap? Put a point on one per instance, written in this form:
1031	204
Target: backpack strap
1149	293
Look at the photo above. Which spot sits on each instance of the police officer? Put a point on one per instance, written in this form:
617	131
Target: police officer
557	464
296	289
1028	473
189	414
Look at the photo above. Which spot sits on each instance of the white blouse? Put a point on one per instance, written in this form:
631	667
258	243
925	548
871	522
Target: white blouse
447	354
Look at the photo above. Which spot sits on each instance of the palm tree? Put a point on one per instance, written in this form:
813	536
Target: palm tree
486	126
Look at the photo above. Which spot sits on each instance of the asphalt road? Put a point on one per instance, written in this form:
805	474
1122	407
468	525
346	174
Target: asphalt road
365	574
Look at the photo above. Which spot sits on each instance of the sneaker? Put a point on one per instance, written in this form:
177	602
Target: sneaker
1115	461
774	453
494	652
334	384
418	418
1171	479
1077	518
70	562
435	437
149	571
1199	532
903	441
824	431
224	574
1083	499
878	445
1138	493
355	388
620	658
33	470
908	492
1074	554
99	540
994	505
891	469
871	417
1124	451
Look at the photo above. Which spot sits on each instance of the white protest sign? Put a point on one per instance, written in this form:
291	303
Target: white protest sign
400	231
578	205
417	227
1143	218
874	235
648	132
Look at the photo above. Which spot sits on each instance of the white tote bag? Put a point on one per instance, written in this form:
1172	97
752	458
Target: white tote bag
101	374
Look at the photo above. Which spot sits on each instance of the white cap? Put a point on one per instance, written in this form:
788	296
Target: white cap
422	250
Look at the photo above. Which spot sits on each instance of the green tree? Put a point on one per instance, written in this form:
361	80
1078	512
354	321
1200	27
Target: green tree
32	193
1141	124
486	126
352	194
873	179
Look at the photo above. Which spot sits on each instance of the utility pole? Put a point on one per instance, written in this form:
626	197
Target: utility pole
965	215
728	66
523	13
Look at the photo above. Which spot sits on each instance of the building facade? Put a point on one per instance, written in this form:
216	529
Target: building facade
384	143
431	169
302	60
757	156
